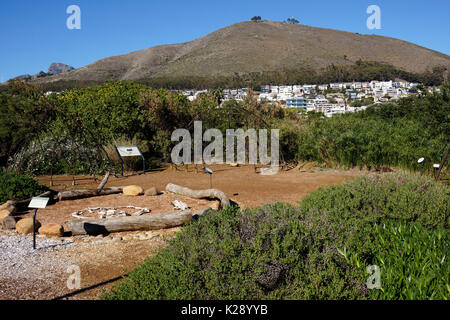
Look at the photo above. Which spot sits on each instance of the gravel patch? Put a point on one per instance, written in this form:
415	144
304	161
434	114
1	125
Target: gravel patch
20	264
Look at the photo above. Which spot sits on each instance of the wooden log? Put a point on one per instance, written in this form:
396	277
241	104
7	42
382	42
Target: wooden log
200	194
81	194
104	181
140	223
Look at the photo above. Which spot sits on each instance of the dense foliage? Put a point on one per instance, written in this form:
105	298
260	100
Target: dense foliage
318	250
18	187
73	132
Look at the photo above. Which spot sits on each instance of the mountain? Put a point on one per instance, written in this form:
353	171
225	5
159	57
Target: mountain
57	68
54	69
259	46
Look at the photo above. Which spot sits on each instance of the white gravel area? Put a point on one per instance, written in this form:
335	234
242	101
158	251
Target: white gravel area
20	263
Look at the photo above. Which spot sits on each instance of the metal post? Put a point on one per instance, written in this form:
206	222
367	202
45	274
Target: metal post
120	157
444	159
34	229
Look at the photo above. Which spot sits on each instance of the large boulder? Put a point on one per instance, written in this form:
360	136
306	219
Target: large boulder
9	223
152	192
9	207
52	229
4	214
26	226
133	191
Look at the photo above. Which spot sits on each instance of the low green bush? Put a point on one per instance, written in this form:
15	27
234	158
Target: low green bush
318	250
18	187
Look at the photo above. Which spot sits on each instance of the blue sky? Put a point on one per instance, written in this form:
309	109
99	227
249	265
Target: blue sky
33	34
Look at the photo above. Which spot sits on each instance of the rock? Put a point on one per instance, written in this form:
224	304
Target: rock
4	214
150	235
179	205
26	225
52	229
144	237
133	191
127	238
9	223
8	206
215	205
6	209
152	192
234	165
57	68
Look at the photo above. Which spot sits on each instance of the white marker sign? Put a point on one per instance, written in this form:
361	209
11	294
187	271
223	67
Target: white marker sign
129	151
38	203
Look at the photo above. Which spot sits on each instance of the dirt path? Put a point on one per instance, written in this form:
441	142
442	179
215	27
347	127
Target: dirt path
252	189
104	259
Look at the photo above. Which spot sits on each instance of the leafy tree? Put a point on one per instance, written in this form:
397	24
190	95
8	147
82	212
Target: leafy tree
26	113
256	18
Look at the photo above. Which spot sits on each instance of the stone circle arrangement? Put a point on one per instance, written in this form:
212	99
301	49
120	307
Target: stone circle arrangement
110	212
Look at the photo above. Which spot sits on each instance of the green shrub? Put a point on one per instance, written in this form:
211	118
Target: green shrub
318	250
18	187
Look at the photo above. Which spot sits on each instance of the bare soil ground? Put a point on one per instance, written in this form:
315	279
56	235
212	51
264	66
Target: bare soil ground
103	260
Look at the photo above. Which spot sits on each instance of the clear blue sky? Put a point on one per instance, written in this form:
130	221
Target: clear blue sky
33	34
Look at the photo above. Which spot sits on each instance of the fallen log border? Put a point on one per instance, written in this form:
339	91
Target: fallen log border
94	227
200	194
81	194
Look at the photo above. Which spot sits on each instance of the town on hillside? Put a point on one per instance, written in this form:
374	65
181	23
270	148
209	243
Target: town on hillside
329	99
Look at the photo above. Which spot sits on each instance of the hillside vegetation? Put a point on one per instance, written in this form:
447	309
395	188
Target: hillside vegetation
260	51
75	132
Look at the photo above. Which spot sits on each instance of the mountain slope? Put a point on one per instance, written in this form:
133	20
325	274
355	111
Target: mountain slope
254	47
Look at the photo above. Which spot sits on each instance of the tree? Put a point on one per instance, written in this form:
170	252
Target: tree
292	21
256	18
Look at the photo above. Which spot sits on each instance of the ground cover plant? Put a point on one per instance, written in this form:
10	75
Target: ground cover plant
319	249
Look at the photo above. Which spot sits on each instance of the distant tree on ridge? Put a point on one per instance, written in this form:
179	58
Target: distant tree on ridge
292	21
